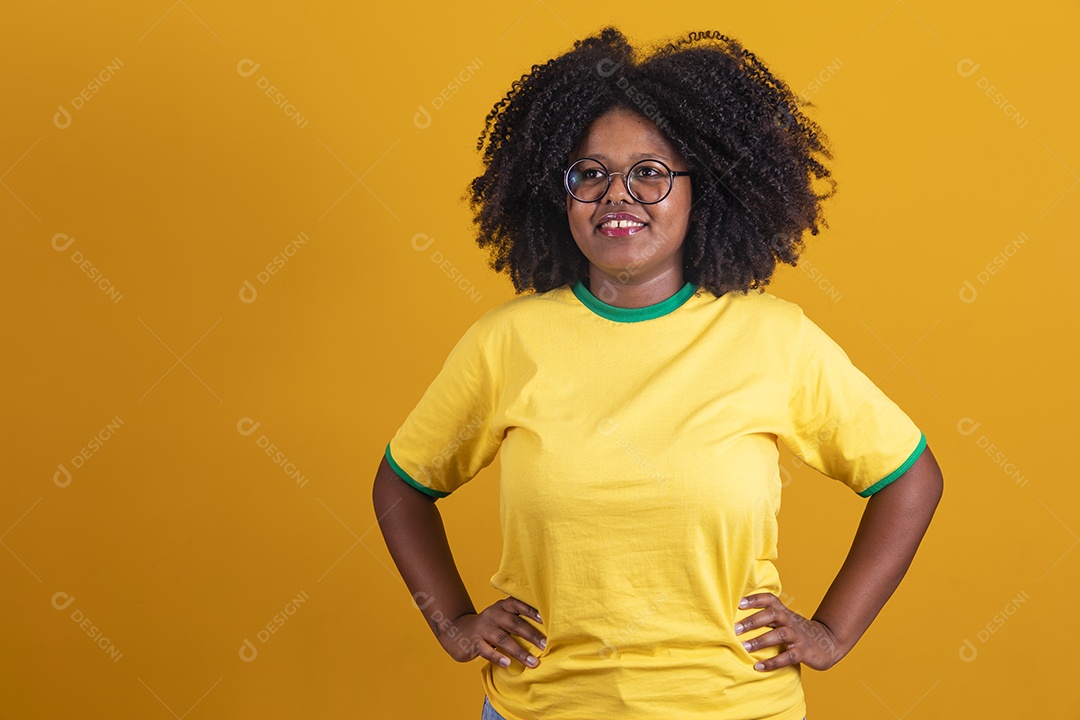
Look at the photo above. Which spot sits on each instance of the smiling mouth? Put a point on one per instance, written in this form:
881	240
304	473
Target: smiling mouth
620	228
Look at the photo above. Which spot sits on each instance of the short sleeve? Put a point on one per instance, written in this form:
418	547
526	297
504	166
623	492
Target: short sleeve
449	436
841	423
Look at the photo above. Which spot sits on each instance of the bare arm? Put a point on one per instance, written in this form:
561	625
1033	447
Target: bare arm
413	529
892	526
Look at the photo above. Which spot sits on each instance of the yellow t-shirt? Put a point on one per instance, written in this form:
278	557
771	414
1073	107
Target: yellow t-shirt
640	486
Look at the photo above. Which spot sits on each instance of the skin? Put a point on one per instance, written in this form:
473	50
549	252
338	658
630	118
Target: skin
639	270
644	268
413	529
892	526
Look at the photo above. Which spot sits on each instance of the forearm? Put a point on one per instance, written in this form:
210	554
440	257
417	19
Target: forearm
892	526
413	530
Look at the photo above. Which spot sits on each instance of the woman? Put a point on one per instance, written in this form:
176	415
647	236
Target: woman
637	396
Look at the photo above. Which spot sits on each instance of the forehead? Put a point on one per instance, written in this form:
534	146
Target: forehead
623	135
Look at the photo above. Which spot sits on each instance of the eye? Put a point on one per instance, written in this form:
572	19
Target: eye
649	171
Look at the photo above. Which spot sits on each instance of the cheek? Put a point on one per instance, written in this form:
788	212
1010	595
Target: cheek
579	217
677	214
674	219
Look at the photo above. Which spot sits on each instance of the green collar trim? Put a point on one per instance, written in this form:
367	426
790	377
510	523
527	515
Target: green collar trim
621	314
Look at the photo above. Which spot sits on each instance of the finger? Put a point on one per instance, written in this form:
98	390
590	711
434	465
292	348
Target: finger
783	635
510	647
520	607
757	600
486	651
524	630
762	618
789	657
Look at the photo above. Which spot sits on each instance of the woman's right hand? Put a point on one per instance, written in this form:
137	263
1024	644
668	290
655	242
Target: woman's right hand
490	634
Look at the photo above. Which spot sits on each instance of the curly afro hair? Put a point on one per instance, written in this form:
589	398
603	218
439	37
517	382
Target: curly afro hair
755	158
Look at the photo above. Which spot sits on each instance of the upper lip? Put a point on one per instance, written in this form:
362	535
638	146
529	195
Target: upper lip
619	216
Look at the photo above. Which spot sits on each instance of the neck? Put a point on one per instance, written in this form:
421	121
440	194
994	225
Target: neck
635	292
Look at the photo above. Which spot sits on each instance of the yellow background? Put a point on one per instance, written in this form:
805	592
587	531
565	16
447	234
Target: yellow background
179	179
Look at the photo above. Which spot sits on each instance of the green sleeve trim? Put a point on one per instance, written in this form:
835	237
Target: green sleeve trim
898	471
405	476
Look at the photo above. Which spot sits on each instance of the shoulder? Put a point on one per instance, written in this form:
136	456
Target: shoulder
527	306
525	310
758	308
764	301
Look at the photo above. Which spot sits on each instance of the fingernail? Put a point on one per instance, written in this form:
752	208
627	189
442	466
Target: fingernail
746	645
538	618
738	628
759	666
505	662
743	603
531	661
543	644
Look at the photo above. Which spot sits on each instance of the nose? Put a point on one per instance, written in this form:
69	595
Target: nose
617	190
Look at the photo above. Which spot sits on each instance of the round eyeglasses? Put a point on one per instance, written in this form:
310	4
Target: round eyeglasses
647	181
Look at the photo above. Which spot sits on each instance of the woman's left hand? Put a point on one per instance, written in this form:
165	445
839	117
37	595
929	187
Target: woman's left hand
807	641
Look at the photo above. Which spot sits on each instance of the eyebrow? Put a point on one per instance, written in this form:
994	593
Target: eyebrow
637	156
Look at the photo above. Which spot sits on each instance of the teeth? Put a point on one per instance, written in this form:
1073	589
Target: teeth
621	224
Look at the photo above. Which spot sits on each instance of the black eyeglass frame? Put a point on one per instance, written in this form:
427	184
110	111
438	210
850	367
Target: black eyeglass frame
672	174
